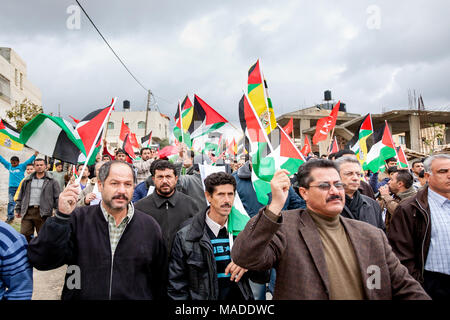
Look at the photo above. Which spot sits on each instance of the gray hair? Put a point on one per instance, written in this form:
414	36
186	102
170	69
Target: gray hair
428	161
339	162
103	173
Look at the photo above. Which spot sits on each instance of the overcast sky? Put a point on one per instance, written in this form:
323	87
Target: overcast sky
368	53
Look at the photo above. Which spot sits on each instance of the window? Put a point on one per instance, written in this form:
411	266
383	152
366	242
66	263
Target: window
110	125
127	124
21	81
402	139
440	141
141	125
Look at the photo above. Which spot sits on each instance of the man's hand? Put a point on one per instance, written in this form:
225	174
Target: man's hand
280	189
36	153
89	197
236	271
18	215
68	198
384	190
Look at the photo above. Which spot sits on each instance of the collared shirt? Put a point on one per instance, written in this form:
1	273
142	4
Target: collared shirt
115	232
35	192
214	226
438	259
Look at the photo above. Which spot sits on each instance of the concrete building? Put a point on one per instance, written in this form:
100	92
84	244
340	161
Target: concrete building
14	84
157	122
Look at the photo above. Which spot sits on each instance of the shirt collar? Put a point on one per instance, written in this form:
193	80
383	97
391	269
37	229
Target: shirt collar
214	226
130	212
441	200
159	200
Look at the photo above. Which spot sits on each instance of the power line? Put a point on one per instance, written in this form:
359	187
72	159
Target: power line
118	58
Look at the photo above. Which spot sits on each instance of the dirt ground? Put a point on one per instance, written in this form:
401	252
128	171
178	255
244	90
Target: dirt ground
47	285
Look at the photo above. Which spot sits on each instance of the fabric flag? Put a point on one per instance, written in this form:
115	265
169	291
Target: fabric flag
186	110
334	146
10	137
124	130
134	141
238	217
286	154
52	136
259	97
289	127
402	160
145	141
205	119
89	130
127	146
326	124
232	148
382	149
359	141
260	148
306	147
75	120
168	151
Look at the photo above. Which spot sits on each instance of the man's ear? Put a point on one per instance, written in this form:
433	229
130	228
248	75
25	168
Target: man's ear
100	186
303	193
208	196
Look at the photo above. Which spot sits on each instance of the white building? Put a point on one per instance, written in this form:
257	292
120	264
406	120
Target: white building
157	122
14	84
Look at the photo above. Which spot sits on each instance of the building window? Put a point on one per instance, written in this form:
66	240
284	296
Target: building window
111	125
141	125
21	81
402	139
127	124
440	141
16	78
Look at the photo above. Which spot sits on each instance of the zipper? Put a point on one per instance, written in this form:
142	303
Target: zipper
423	241
207	245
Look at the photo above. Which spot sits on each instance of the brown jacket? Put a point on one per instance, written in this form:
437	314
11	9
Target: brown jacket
294	248
410	232
390	203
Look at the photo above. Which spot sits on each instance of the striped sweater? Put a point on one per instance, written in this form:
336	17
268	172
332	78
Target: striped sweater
16	274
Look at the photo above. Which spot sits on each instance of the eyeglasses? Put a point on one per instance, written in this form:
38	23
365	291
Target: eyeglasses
325	186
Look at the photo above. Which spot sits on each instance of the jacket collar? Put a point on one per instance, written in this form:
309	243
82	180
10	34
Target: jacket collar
159	200
407	193
196	230
422	199
33	175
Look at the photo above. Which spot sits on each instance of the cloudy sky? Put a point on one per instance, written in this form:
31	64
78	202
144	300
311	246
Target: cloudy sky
368	53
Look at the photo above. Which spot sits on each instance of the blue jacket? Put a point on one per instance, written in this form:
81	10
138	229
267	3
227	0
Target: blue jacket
375	184
16	174
16	274
248	196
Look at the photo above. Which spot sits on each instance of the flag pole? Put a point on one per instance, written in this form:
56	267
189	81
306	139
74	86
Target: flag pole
96	138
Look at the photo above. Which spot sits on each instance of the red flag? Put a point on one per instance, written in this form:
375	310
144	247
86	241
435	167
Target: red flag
134	141
232	148
306	147
326	124
289	127
75	120
128	146
124	130
334	146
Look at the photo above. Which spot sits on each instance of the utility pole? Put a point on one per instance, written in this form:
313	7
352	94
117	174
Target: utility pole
146	112
59	110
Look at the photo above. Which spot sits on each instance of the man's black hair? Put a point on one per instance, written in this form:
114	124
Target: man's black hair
342	153
58	164
331	155
416	161
41	159
218	179
163	165
152	166
392	169
120	151
145	148
30	164
390	160
304	171
104	170
14	158
405	177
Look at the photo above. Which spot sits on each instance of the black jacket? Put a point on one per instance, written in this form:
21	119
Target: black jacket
369	211
170	212
192	267
136	271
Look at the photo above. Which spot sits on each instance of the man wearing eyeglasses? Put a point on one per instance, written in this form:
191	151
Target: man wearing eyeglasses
357	206
317	253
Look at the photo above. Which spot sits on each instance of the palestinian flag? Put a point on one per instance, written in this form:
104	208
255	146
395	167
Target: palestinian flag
232	148
334	146
54	137
286	154
263	162
259	97
187	111
289	127
359	141
238	217
127	146
205	119
90	130
145	141
10	137
382	149
402	160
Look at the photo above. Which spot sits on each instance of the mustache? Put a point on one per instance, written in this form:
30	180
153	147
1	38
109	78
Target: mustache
334	197
226	205
120	196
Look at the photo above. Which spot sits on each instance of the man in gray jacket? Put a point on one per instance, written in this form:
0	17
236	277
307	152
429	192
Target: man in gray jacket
37	198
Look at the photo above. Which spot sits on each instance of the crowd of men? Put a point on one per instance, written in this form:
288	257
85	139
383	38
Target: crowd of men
152	229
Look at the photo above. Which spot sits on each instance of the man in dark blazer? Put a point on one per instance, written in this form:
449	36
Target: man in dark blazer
317	253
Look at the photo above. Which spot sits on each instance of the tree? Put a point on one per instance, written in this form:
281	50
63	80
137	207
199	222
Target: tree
24	112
